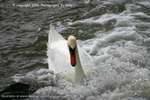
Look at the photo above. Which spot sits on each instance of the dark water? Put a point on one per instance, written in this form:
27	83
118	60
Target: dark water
23	47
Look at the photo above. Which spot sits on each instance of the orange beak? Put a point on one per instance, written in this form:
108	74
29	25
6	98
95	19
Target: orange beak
72	56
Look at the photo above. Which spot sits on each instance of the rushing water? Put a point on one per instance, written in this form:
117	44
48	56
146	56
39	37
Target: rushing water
116	33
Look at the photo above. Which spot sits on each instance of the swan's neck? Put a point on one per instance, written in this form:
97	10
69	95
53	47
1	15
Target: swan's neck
79	72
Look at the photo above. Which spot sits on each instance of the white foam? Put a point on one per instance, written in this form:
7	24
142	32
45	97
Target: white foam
121	73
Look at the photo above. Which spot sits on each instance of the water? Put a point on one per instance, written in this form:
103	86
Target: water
114	32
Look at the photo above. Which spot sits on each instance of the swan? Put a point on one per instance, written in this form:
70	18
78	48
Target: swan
66	57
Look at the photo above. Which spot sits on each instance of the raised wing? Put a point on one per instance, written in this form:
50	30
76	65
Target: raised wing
54	35
58	53
85	58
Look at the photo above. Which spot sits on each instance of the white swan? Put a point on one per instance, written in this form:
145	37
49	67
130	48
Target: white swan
67	57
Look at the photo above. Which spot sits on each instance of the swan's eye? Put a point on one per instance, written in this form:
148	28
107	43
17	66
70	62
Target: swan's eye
71	50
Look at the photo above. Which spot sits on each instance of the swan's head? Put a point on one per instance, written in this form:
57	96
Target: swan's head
72	41
72	45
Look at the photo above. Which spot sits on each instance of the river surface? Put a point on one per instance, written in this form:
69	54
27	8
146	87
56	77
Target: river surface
116	33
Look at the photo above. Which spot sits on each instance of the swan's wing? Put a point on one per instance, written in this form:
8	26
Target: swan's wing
86	59
53	35
58	53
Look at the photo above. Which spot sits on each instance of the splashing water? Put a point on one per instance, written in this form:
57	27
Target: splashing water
120	54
